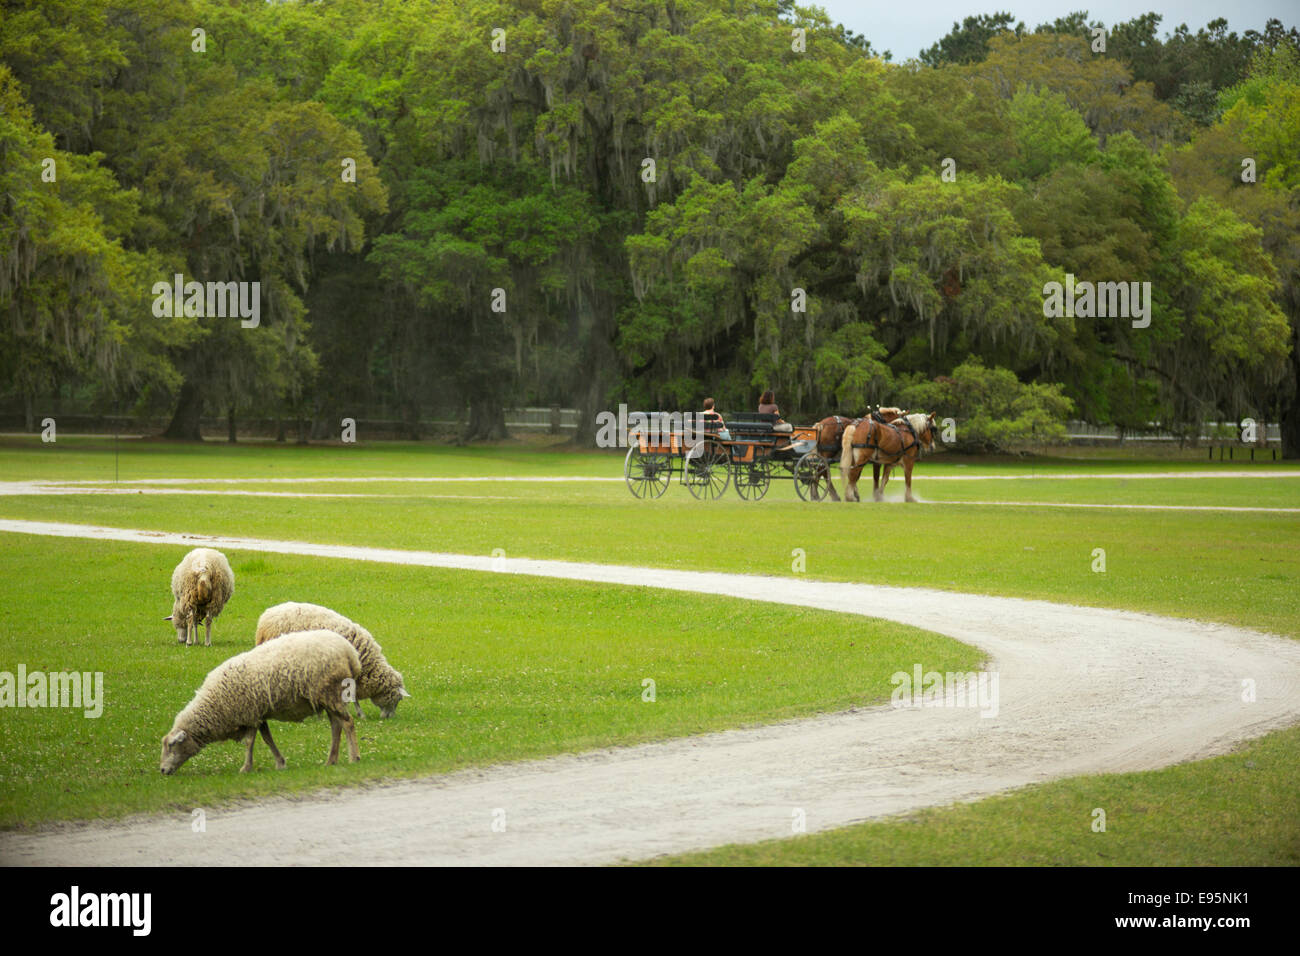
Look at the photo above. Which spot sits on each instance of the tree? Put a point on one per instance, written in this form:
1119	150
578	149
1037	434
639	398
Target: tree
485	263
1099	88
1259	128
968	42
1048	134
72	297
992	409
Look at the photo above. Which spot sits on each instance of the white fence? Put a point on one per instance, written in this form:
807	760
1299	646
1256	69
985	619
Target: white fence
1270	433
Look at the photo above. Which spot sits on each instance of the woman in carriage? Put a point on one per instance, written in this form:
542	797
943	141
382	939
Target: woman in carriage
767	406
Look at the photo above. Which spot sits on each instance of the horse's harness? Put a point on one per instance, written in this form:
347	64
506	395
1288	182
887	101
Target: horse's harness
904	448
840	422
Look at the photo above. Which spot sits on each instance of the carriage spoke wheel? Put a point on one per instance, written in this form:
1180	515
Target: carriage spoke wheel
752	478
647	474
812	477
707	474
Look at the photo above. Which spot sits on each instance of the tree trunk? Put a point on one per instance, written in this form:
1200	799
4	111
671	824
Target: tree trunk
29	413
279	430
1290	427
487	421
185	420
411	419
592	400
230	424
1289	419
320	424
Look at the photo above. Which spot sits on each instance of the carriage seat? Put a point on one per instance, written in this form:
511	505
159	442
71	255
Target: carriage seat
753	426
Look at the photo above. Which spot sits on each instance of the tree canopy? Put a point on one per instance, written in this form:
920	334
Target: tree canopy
484	203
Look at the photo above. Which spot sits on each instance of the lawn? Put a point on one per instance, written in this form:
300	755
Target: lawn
94	458
513	667
501	667
1235	567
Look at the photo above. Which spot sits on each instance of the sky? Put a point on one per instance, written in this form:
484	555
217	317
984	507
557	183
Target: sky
907	28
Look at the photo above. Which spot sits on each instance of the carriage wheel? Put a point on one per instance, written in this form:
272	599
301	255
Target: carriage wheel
812	477
647	474
706	475
752	478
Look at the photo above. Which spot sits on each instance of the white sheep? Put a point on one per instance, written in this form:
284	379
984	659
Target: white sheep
289	679
379	681
201	585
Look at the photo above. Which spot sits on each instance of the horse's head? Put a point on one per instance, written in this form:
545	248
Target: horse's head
923	427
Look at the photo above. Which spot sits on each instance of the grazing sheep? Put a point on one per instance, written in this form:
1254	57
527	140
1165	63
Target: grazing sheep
201	585
289	679
379	682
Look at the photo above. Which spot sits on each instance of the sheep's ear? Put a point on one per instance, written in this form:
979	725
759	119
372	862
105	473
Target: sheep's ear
405	692
167	618
180	737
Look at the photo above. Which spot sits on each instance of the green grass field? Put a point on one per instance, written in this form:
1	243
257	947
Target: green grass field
1235	567
500	668
575	681
87	458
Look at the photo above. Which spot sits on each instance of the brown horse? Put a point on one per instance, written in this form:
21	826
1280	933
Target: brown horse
830	435
883	444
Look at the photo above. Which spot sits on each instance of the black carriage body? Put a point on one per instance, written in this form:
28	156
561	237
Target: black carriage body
750	455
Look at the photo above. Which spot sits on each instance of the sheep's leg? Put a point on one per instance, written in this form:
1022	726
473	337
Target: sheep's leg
335	726
208	625
191	630
250	739
266	735
357	705
354	754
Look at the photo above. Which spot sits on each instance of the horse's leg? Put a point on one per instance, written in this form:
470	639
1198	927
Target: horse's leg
846	465
830	482
907	475
855	476
878	487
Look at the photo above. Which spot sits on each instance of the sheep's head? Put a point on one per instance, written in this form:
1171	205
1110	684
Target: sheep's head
387	702
179	621
177	747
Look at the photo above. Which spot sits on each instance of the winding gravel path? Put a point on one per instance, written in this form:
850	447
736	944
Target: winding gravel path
1081	690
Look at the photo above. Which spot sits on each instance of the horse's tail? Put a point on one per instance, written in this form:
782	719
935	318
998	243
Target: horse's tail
846	449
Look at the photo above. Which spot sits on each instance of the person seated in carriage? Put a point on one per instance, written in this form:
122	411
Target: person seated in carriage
767	406
710	415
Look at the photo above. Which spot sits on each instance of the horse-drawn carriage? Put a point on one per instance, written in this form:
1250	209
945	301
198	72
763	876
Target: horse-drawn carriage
751	452
750	455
